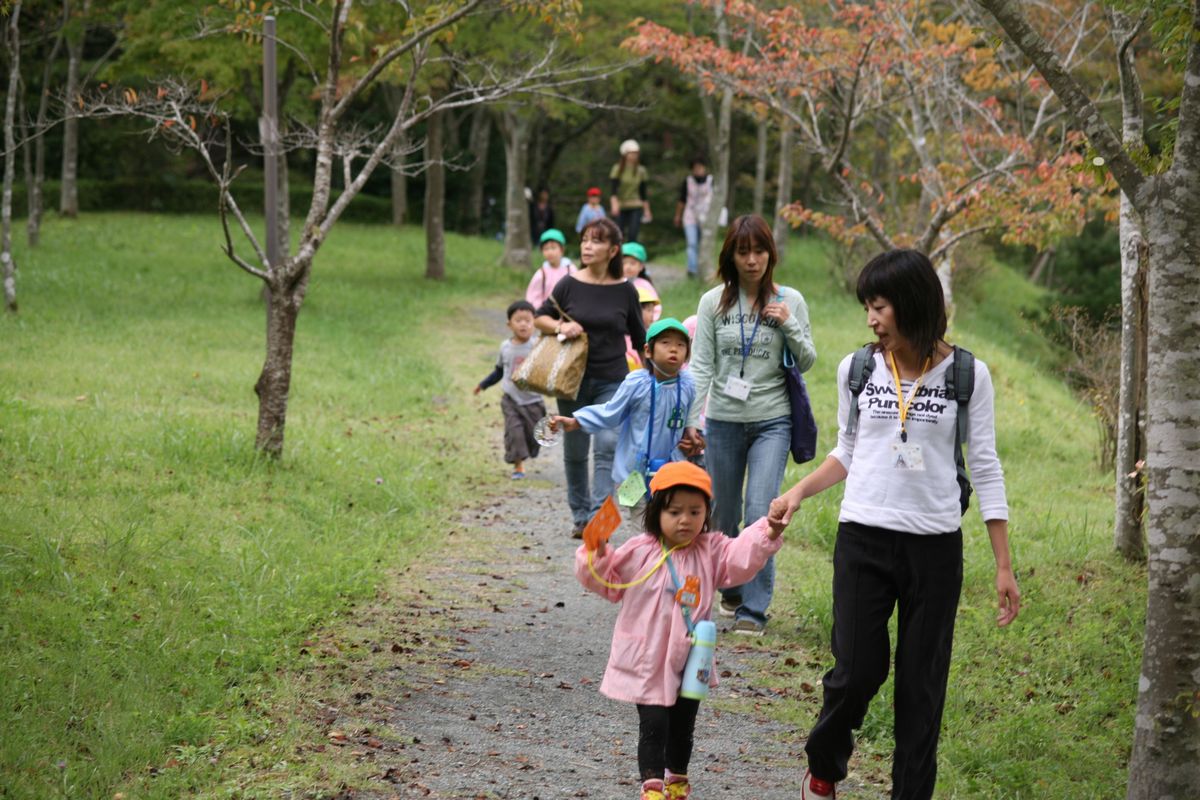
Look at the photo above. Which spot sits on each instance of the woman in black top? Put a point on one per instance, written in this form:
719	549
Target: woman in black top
604	305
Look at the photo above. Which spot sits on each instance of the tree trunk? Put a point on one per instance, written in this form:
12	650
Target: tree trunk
783	196
283	206
1165	760
399	186
275	380
717	128
68	203
1043	260
435	197
760	167
516	129
478	142
1166	750
945	272
37	203
1128	537
10	157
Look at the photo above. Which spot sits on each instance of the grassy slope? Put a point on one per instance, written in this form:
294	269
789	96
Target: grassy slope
154	572
156	576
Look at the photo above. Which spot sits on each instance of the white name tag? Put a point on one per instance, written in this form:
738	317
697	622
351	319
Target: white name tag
737	388
908	456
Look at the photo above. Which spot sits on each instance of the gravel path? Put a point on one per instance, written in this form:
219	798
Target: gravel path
512	708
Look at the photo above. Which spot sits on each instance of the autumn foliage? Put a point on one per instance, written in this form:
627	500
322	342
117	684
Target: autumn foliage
927	133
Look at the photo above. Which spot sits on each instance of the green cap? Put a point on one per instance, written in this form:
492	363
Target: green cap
552	235
666	324
634	249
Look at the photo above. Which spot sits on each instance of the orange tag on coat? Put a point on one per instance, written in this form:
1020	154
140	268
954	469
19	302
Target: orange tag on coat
601	527
689	593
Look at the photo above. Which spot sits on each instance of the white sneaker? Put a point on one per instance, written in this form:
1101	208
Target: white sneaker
728	608
813	788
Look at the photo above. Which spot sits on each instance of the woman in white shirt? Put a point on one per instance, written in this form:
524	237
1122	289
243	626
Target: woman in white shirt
899	541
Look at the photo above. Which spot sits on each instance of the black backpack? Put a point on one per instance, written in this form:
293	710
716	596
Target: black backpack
960	383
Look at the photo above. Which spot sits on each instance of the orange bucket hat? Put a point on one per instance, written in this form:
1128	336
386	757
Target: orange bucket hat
681	473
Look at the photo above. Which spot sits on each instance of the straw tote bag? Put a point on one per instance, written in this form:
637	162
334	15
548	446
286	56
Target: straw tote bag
555	368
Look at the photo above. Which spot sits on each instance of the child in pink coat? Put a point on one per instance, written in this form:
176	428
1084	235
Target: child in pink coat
651	641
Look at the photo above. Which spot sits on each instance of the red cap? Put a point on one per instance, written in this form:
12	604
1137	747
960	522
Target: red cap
681	473
593	192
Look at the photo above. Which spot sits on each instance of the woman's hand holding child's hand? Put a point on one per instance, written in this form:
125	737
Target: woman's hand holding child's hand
782	508
776	529
566	423
692	443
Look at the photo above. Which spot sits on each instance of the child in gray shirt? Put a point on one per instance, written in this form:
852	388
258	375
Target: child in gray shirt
521	409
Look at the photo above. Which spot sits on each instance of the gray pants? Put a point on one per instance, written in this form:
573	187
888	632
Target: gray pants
519	420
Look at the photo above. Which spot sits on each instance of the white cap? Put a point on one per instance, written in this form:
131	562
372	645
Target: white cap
629	146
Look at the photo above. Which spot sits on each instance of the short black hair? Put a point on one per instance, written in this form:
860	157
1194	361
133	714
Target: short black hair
521	305
660	500
907	280
698	160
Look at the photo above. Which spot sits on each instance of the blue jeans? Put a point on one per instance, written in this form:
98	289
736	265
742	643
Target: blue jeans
575	453
756	452
692	234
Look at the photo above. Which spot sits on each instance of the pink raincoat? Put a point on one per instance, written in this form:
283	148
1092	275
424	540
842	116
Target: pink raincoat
650	642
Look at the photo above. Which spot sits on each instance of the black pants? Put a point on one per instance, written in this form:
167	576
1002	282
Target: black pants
665	738
874	571
630	221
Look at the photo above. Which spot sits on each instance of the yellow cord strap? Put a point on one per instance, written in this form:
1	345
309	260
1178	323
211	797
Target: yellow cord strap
662	560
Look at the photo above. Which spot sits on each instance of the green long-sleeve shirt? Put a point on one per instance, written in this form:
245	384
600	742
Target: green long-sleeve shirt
717	357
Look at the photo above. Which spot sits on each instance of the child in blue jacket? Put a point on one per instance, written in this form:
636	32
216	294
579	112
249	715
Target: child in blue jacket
650	409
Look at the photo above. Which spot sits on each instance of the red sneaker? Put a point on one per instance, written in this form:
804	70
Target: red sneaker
813	788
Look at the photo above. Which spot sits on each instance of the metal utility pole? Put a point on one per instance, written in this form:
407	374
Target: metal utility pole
269	132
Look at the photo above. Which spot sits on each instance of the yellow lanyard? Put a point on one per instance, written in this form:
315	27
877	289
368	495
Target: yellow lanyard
643	579
901	403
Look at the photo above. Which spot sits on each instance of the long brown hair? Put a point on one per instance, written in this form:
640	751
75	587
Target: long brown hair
747	231
607	231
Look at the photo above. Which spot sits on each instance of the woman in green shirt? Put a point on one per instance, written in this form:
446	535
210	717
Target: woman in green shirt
628	201
737	364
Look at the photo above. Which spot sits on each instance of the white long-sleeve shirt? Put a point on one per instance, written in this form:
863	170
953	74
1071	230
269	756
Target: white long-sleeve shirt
926	501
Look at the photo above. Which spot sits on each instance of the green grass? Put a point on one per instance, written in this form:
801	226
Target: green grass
157	578
155	572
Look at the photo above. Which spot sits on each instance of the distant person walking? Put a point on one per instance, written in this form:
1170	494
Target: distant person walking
695	196
541	214
899	538
591	210
629	202
605	306
742	327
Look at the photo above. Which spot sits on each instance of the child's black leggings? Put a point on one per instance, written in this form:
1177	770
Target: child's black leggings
665	737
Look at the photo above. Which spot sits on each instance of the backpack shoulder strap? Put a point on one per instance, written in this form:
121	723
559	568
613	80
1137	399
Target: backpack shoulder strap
960	383
862	364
